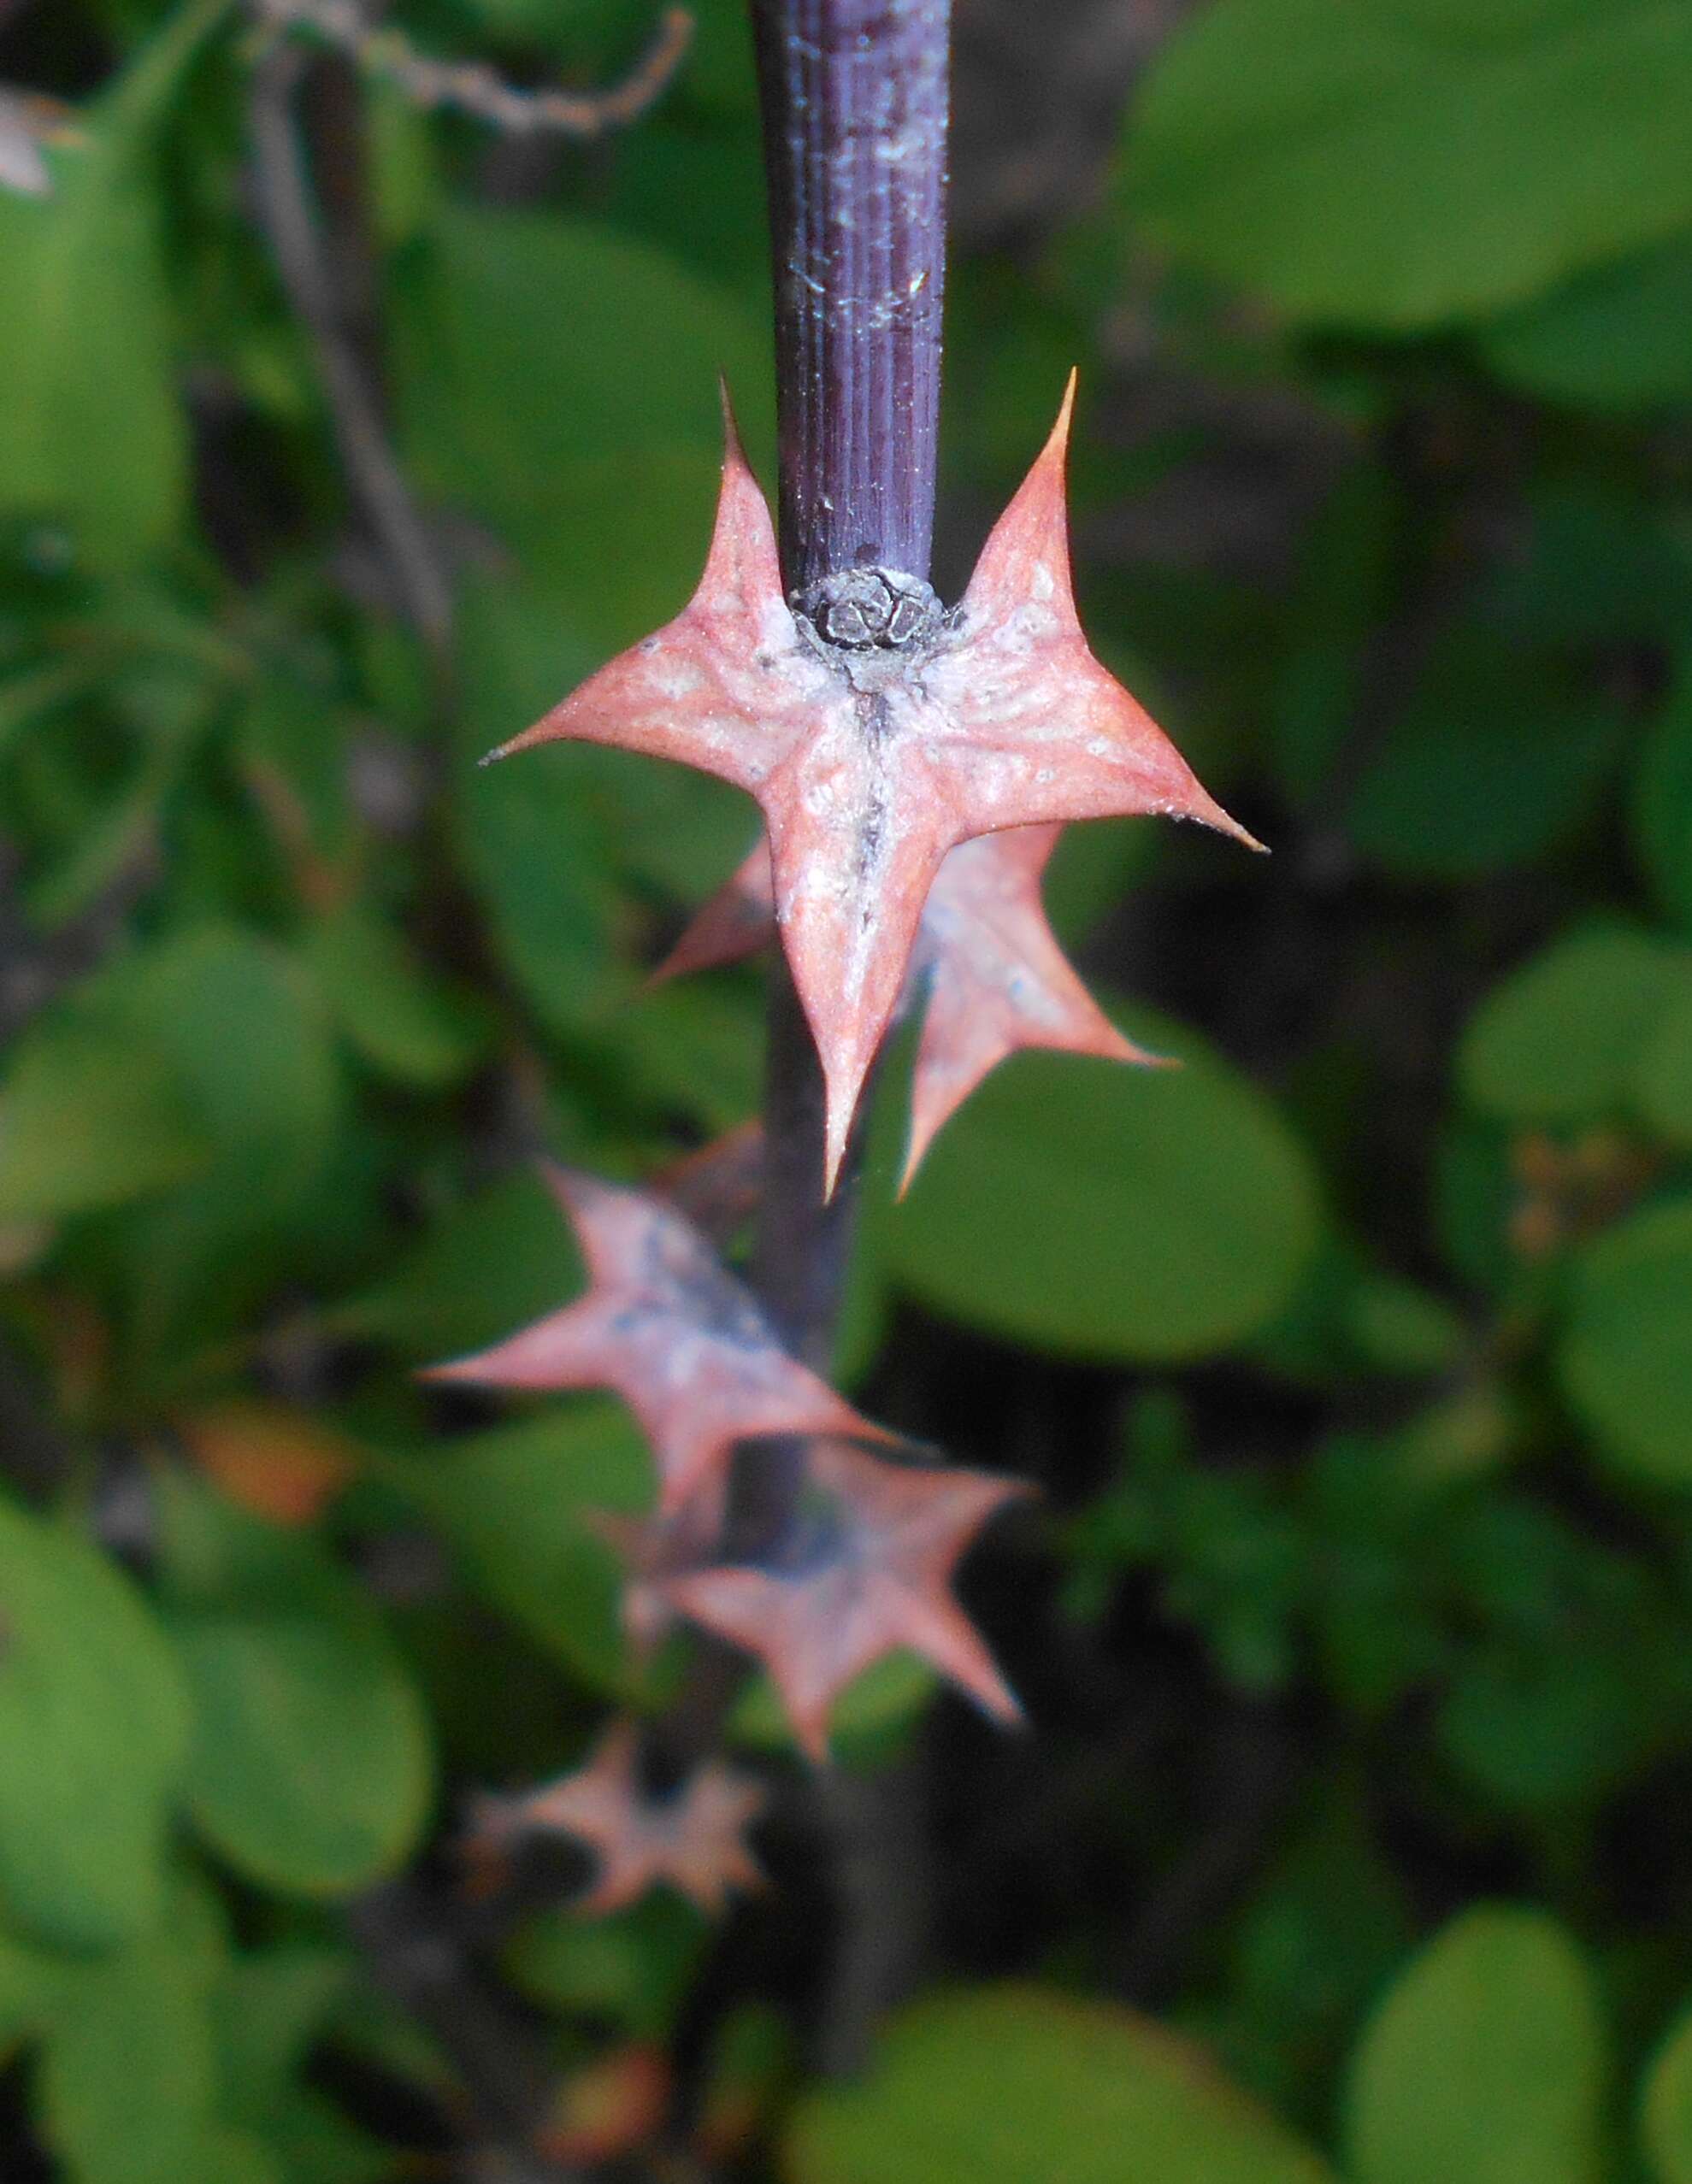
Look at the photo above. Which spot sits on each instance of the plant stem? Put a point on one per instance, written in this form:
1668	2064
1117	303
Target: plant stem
854	95
854	98
855	108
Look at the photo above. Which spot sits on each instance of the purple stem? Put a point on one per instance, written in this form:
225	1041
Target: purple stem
854	97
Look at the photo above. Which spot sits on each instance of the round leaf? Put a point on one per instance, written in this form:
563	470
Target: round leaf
1111	1212
1662	807
310	1767
1665	2108
1023	2085
1559	1040
126	2080
1610	339
1625	1360
89	1119
1484	2065
1335	158
93	1729
1492	760
1662	1083
515	1504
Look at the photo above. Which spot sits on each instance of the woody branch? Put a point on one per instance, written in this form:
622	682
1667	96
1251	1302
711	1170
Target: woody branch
854	97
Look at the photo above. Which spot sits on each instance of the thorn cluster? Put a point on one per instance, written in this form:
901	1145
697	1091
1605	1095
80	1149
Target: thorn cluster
872	761
914	768
863	1564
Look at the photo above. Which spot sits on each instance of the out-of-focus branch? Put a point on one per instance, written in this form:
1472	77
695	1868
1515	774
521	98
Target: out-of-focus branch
408	1941
290	221
477	91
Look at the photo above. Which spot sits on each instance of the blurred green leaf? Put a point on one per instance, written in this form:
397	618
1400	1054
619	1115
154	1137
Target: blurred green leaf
563	844
30	1985
1626	1359
91	1118
1021	2085
1608	340
1337	161
484	1268
1665	2106
1494	757
250	1042
311	1767
1552	1720
405	1024
238	1018
514	1504
632	1968
1484	2065
504	401
1663	1080
224	2157
528	843
91	427
1662	804
316	2145
93	1736
1562	1040
1113	1212
1400	1327
126	2080
267	2008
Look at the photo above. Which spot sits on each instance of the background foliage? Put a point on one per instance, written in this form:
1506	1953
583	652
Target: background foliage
1355	1360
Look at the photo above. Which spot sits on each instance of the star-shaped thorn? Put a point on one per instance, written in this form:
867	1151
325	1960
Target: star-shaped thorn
693	1836
867	1571
870	760
666	1326
997	981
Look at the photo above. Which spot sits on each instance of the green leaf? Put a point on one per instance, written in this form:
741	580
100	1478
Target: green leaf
310	1768
403	1023
484	1268
1608	340
1625	1359
1563	1039
558	842
93	1732
126	2080
512	1504
247	1037
1662	805
1495	758
223	2156
1663	1078
267	2009
31	1985
1113	1212
633	1970
89	1119
1484	2065
528	843
1539	1724
498	411
316	2145
1665	2106
91	427
1396	166
1022	2085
